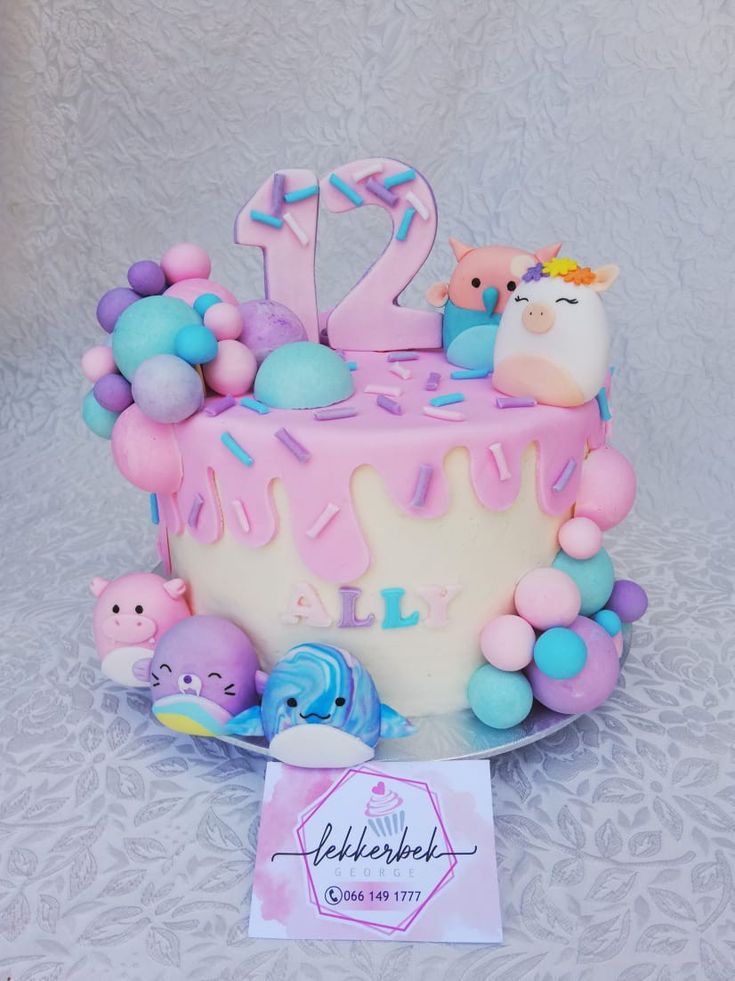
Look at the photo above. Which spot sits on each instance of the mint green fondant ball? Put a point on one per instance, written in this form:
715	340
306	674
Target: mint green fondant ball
594	577
500	699
99	420
149	327
303	375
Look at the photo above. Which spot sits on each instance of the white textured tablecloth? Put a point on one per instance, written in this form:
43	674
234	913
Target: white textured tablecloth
125	851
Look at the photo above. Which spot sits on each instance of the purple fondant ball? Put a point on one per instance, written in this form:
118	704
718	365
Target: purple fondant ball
113	392
112	305
628	600
167	389
594	683
268	325
147	278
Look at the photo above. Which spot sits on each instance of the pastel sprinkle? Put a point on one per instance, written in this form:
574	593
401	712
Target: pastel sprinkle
448	399
449	414
216	406
353	365
463	374
499	456
155	517
237	451
423	480
381	192
389	404
403	177
290	197
348	192
241	514
196	509
164	551
514	402
563	479
393	390
291	443
432	382
418	204
605	413
279	184
403	356
265	219
296	228
369	171
329	512
398	369
405	225
336	413
254	405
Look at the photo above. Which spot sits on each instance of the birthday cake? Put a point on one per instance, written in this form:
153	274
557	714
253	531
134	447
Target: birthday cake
370	513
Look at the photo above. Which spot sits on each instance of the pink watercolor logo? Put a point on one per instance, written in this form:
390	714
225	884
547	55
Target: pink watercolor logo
378	863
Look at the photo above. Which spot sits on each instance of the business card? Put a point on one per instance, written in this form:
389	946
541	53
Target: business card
393	851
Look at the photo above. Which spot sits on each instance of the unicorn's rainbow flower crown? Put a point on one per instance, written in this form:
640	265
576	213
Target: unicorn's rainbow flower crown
568	269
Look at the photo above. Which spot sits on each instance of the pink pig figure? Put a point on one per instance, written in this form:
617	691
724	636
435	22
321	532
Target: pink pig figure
475	297
131	614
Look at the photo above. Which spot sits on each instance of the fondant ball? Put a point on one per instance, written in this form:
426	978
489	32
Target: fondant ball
560	653
186	261
268	325
147	328
607	488
147	278
97	362
99	419
609	621
303	376
507	642
189	290
112	305
500	699
581	538
147	453
547	598
113	392
594	578
196	344
224	320
205	301
594	683
628	600
232	371
167	389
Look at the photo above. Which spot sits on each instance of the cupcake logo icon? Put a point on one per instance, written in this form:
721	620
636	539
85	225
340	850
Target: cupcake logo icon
385	812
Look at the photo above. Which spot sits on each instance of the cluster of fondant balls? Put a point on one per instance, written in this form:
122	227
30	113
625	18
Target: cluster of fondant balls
562	645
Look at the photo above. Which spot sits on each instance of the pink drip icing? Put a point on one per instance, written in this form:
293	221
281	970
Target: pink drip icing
394	446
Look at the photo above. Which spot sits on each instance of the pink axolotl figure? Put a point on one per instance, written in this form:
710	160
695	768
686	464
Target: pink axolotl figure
475	297
131	614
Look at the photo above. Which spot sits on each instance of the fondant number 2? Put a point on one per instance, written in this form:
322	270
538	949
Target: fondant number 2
281	218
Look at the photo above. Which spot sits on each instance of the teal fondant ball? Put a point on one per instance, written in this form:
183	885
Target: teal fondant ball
500	699
303	375
610	621
204	302
594	577
99	420
560	653
149	327
196	344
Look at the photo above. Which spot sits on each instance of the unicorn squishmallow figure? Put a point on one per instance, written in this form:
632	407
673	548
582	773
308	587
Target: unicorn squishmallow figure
553	342
475	297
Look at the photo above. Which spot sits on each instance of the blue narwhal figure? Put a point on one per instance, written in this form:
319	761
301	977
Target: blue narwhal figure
320	708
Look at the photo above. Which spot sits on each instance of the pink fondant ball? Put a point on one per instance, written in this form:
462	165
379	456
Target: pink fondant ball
547	598
186	261
594	683
581	538
507	642
607	488
147	453
98	362
190	290
224	320
268	325
233	370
